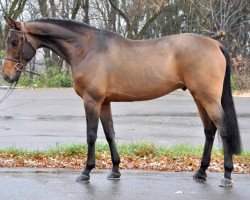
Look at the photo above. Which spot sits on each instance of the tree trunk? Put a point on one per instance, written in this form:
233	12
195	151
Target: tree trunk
85	5
15	9
75	9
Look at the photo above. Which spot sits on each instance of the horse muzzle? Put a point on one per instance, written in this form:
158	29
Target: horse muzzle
10	72
11	80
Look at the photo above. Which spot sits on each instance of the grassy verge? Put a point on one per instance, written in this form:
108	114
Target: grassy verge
141	155
131	149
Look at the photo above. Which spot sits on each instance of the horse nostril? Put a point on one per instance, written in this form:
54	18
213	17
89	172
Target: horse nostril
7	78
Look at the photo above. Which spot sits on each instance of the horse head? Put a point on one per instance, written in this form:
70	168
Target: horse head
19	51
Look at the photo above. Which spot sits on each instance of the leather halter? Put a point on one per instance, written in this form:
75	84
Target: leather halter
22	51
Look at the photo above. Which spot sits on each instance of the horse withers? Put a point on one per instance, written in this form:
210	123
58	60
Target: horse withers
107	67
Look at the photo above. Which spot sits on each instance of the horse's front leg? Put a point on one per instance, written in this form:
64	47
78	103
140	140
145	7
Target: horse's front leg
92	110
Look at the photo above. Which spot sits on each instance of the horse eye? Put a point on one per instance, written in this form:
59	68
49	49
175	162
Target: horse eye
14	42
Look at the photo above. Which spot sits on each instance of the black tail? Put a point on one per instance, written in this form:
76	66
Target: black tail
230	122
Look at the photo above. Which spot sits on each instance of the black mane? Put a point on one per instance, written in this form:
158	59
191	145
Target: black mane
66	23
76	26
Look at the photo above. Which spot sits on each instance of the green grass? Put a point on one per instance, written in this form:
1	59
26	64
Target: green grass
132	149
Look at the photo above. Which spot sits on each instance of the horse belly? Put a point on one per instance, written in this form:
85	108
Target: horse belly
142	89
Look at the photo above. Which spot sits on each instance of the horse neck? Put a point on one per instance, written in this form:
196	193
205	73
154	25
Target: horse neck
64	42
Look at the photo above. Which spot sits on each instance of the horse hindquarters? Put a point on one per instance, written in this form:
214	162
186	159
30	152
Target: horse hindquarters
220	108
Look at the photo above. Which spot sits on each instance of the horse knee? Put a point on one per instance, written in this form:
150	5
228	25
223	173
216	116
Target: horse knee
109	138
91	139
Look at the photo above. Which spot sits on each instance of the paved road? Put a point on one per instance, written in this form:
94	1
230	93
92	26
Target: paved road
41	118
30	184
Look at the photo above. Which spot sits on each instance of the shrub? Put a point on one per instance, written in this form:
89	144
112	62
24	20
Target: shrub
2	54
52	78
24	81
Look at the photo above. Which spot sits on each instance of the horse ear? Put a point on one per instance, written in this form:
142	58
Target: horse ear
13	23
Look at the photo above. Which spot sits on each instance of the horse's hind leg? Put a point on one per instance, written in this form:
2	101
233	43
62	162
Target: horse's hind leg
209	130
216	114
107	123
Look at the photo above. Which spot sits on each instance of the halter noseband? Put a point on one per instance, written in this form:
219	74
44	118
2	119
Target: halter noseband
19	61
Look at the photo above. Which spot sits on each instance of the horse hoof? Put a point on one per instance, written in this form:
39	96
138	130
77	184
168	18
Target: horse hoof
114	176
83	178
225	182
200	177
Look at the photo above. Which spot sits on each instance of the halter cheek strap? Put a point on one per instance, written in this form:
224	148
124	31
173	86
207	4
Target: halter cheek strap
19	61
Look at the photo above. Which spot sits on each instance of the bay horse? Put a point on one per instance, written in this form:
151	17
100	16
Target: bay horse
107	67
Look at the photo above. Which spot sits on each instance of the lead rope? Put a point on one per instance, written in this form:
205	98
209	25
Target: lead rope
9	92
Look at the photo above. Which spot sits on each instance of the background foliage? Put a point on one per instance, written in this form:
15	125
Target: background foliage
224	20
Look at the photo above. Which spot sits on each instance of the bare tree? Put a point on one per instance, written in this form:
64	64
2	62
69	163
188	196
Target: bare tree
133	12
228	20
13	9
